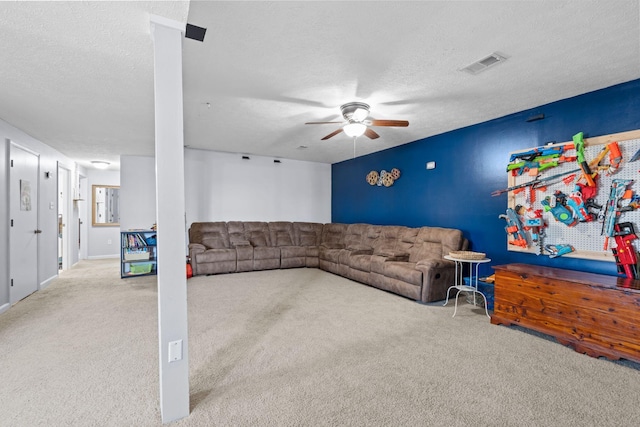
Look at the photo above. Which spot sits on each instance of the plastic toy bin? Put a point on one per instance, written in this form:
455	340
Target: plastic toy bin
141	268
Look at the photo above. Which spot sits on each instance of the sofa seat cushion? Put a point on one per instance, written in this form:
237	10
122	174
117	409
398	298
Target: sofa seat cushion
360	262
292	252
216	255
265	252
331	255
403	271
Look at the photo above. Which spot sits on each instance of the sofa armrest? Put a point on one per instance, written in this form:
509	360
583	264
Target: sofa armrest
394	256
360	250
437	276
196	248
430	263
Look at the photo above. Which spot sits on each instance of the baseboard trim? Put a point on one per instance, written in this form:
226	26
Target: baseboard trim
4	307
47	282
104	256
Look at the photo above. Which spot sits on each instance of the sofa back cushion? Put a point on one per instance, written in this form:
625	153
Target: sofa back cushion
281	233
236	233
307	233
435	242
355	235
213	235
388	240
257	233
333	234
212	240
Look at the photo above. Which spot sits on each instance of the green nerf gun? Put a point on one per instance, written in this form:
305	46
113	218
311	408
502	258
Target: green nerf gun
578	142
535	166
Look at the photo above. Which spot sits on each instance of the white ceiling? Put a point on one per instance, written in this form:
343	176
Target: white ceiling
79	75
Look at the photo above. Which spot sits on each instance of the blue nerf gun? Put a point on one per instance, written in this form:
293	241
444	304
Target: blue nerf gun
559	211
558	250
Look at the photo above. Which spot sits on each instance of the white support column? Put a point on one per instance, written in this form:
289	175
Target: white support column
170	210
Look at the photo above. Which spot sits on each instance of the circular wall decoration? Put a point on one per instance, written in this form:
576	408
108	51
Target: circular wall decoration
372	178
383	178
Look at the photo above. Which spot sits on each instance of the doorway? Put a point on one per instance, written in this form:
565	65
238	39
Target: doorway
64	216
82	216
24	231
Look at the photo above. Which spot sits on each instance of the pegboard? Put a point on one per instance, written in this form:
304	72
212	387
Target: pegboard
585	237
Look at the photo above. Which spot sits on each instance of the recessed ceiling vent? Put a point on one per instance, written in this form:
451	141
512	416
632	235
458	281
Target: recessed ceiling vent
484	63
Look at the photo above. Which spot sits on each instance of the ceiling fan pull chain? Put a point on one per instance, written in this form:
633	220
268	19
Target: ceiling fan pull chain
354	147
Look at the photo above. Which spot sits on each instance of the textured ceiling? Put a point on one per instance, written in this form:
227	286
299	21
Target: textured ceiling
79	75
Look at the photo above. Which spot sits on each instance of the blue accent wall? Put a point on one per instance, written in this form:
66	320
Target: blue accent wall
470	164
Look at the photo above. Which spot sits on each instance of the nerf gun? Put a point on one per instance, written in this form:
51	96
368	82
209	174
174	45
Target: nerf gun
541	151
578	141
613	210
534	183
558	209
624	252
514	227
534	224
558	250
538	164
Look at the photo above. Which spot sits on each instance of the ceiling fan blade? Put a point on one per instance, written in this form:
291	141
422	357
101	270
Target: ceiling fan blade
396	123
320	123
334	133
371	134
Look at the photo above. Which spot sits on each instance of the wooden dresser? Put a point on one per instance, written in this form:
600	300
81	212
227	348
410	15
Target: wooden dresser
594	314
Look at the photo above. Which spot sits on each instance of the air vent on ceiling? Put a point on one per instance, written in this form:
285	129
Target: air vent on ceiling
484	63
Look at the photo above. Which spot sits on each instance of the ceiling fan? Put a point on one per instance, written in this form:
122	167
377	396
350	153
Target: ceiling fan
355	114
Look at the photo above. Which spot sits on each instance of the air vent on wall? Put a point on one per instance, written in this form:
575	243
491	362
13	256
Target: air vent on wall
484	63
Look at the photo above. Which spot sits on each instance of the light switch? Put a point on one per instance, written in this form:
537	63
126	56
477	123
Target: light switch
431	165
175	351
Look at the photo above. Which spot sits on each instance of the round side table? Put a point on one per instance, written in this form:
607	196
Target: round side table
473	280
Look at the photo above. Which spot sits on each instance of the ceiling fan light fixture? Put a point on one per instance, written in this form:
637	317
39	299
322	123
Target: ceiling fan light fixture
355	129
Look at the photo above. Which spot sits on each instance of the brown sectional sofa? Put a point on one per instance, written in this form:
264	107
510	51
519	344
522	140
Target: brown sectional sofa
403	260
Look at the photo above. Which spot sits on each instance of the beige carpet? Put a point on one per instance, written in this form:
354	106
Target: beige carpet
297	347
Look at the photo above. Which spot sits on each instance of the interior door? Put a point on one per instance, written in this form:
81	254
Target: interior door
23	235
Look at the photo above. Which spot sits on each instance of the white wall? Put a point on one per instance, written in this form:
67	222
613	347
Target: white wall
103	242
137	192
47	217
224	187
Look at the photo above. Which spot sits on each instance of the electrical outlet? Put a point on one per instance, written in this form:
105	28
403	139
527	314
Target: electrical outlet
175	351
108	241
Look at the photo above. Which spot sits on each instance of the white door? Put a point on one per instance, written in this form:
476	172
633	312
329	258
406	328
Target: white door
23	235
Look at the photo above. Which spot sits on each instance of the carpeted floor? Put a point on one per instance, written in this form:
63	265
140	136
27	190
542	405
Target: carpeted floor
298	347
